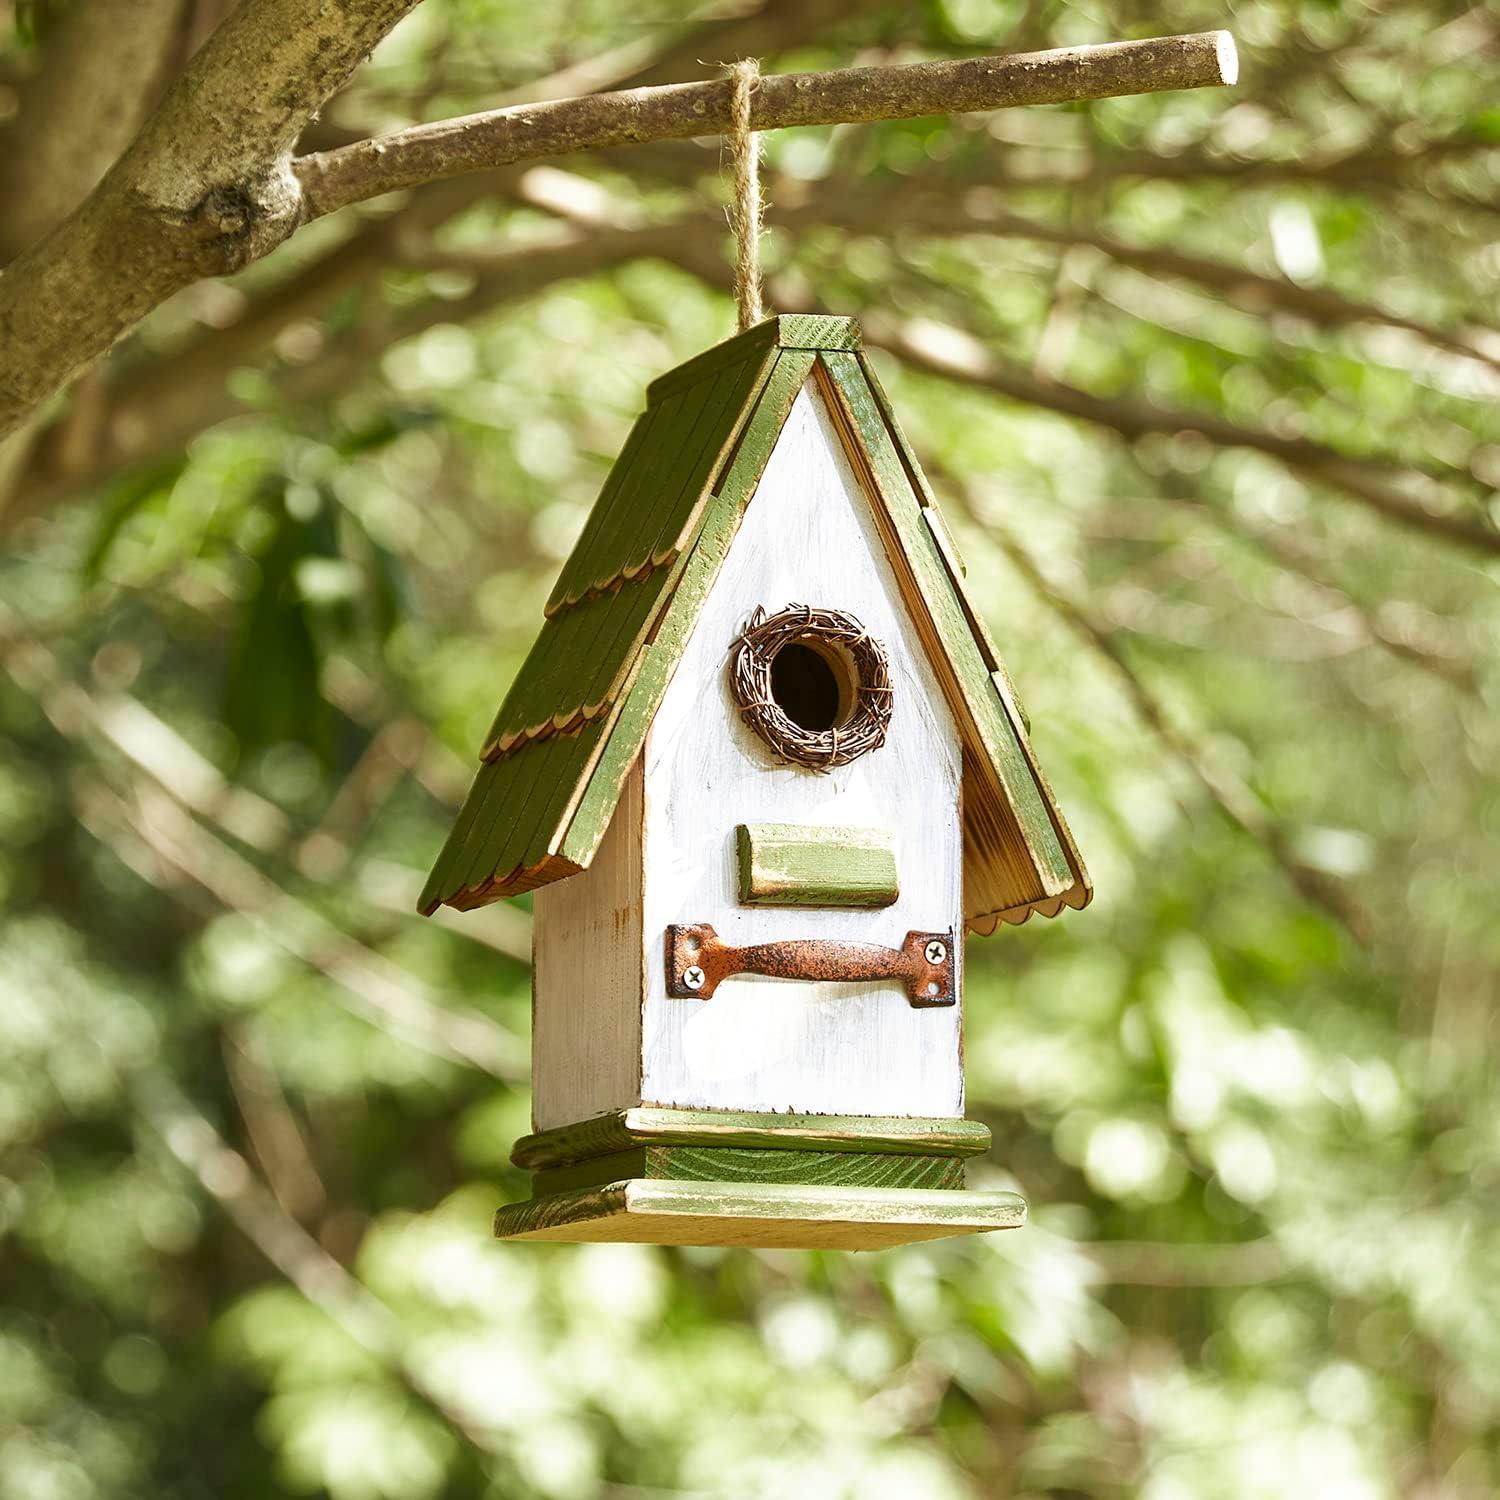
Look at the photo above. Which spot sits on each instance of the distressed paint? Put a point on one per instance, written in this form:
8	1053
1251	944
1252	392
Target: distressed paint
623	1129
794	864
1021	859
764	1215
701	566
1081	891
808	536
742	1164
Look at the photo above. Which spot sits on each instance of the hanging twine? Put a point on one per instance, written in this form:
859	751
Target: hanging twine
745	216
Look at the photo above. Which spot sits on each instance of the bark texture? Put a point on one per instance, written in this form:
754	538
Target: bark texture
206	188
147	412
449	148
99	78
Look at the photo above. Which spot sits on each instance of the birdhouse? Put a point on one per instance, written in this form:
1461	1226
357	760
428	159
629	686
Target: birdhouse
763	769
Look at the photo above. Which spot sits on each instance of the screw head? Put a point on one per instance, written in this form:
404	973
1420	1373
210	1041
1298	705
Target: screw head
693	977
935	952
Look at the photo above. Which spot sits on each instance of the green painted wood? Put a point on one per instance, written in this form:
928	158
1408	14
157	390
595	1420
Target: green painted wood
626	471
495	800
439	885
793	864
990	724
577	656
787	331
688	589
753	343
957	576
567	783
765	1215
716	418
621	1130
597	1171
1013	705
815	331
507	789
635	607
696	426
755	1164
676	436
537	690
526	810
748	461
610	549
1081	891
501	792
831	1168
564	1144
590	654
740	388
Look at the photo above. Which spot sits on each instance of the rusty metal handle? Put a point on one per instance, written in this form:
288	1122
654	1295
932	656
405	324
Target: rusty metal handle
697	960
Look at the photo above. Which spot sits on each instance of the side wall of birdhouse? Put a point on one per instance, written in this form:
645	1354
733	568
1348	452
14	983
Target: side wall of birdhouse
587	979
807	537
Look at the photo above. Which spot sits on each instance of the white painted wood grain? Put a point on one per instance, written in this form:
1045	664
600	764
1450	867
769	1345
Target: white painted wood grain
586	980
764	1044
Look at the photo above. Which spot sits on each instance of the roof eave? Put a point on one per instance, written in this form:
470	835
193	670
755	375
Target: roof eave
567	832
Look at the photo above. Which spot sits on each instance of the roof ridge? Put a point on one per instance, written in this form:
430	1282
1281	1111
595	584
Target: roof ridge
781	331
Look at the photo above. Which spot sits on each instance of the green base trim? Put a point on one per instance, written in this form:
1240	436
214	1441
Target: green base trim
728	1164
624	1129
763	1215
596	1171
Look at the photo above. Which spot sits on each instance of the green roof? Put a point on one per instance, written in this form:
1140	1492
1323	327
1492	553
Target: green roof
574	721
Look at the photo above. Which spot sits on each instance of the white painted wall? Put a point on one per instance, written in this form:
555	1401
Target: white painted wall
765	1044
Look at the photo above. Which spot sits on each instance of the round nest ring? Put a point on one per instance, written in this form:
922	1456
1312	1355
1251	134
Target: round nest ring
856	657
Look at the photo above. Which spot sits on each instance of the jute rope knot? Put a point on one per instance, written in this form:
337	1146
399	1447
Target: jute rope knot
746	214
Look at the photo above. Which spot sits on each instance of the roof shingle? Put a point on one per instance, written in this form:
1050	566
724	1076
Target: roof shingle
578	711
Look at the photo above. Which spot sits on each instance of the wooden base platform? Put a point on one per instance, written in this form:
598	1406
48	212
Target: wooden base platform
766	1215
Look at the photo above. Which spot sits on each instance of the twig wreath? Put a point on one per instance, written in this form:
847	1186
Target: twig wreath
836	637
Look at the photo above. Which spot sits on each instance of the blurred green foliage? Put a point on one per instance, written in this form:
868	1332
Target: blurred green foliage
254	1115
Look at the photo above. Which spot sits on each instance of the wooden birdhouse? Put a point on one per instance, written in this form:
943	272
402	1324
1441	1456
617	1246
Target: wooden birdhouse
762	768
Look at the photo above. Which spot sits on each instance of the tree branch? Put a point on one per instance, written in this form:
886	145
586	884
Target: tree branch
1234	799
170	403
980	212
206	188
274	1133
156	813
376	989
1404	629
334	179
153	409
1133	1263
210	186
100	74
952	354
191	1139
226	1176
157	407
